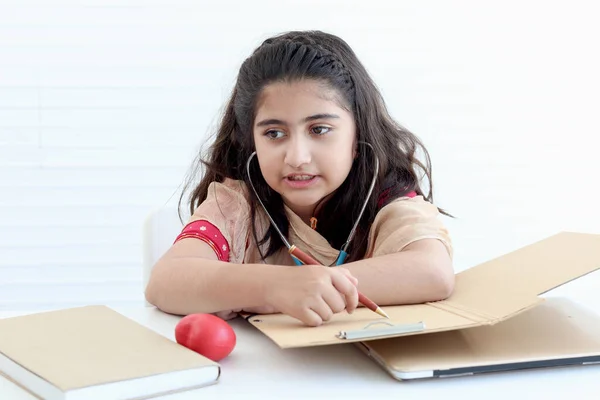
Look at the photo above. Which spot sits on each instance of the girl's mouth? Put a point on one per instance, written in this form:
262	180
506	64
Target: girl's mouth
300	177
300	181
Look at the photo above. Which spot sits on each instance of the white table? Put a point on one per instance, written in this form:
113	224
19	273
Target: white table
258	369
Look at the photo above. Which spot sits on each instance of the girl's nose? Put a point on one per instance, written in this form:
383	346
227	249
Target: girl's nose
297	153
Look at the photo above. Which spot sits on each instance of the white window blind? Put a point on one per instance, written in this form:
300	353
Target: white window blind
102	108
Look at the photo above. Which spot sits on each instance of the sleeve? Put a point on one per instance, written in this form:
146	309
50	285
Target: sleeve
404	221
222	221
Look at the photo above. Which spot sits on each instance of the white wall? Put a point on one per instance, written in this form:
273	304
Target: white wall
104	103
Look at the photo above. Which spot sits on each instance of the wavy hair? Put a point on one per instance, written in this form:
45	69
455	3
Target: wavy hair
326	58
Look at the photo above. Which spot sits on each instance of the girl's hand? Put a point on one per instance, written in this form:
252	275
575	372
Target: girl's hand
312	293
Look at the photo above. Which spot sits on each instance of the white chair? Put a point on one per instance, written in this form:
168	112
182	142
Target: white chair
160	229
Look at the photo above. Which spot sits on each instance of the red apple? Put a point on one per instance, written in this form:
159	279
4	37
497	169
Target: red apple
206	334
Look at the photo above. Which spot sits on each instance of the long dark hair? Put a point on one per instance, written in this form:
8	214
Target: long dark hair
326	58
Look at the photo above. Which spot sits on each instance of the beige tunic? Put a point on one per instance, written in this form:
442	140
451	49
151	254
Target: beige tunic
398	224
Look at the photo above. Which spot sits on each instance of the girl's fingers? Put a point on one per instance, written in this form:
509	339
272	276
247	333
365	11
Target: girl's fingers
349	275
335	300
343	285
311	318
322	309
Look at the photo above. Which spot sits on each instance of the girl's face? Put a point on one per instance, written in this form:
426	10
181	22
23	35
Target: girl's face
305	142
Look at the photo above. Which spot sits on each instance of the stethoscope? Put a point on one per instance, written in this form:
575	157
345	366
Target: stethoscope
298	255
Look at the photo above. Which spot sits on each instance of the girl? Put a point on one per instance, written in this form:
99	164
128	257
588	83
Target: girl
319	127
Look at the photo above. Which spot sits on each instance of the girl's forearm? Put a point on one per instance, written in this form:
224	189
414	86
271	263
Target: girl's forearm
197	285
184	285
418	274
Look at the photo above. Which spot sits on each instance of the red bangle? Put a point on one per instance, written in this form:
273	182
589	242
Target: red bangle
209	234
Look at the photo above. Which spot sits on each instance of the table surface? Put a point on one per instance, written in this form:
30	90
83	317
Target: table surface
259	369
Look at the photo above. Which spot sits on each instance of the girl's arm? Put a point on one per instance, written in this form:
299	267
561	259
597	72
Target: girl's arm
189	279
421	272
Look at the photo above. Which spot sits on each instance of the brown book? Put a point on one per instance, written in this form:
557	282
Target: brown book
93	352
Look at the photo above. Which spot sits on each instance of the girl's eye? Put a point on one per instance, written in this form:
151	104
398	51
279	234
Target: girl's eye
274	134
320	130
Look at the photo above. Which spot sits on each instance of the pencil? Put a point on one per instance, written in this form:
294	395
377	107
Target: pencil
364	300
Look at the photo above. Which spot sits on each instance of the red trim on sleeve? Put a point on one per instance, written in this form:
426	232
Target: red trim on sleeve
208	233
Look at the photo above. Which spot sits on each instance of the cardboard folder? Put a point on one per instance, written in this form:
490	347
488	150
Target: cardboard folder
484	295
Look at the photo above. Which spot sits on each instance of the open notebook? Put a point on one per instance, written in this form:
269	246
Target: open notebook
556	333
94	352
